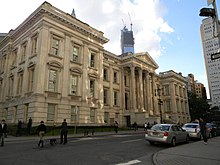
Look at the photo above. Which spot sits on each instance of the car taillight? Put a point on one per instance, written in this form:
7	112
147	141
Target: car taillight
165	134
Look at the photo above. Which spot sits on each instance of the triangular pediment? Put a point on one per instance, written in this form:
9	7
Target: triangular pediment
145	57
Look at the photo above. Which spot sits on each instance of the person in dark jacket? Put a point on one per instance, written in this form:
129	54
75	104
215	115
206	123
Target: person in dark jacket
203	130
116	126
3	131
19	127
29	125
41	129
63	132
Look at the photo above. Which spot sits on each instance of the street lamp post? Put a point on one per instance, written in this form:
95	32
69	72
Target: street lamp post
160	102
212	12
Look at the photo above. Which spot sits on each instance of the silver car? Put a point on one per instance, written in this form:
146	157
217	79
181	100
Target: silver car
194	130
166	133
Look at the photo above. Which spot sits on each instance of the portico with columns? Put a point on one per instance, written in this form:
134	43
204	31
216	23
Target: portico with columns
140	68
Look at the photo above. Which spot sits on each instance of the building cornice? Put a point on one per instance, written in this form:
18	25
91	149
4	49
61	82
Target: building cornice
47	10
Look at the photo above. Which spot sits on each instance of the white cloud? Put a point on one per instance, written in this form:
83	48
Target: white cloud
105	15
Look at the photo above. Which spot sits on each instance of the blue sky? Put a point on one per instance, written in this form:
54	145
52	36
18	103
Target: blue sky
183	51
168	29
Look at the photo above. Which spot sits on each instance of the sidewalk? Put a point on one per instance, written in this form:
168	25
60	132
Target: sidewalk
25	138
190	154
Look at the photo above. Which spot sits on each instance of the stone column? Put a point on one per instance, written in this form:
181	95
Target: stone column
85	86
123	88
140	89
155	106
133	88
147	92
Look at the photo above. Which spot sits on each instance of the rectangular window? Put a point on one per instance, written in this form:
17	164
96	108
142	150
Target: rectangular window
51	112
105	74
34	45
92	60
166	90
115	77
14	57
168	106
76	53
105	96
74	111
115	98
92	88
92	115
74	82
30	79
11	86
3	63
176	90
125	80
1	85
55	46
20	83
177	106
52	84
180	91
23	52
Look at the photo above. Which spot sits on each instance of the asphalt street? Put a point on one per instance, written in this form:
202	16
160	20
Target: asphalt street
97	150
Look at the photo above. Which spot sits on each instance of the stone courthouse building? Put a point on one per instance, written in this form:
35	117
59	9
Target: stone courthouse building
53	66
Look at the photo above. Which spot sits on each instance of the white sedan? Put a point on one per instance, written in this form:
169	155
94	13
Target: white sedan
166	133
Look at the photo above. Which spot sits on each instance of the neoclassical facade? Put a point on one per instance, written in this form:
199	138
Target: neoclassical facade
53	66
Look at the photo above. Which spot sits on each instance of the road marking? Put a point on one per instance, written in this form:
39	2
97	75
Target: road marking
130	162
129	141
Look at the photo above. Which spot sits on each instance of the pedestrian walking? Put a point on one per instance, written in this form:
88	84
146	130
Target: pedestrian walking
145	126
3	132
29	126
148	125
116	126
41	129
135	126
63	132
203	130
19	128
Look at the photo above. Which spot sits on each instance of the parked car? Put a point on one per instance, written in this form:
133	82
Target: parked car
166	133
213	129
194	130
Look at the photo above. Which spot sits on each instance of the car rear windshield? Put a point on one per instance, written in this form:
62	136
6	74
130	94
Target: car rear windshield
190	126
161	127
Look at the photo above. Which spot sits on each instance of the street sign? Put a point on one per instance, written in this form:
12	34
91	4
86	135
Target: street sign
215	56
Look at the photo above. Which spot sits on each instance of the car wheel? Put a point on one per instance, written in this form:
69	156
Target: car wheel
151	143
173	142
187	139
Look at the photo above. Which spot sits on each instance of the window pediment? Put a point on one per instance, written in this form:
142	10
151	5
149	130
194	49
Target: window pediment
32	63
76	70
55	64
20	69
94	75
